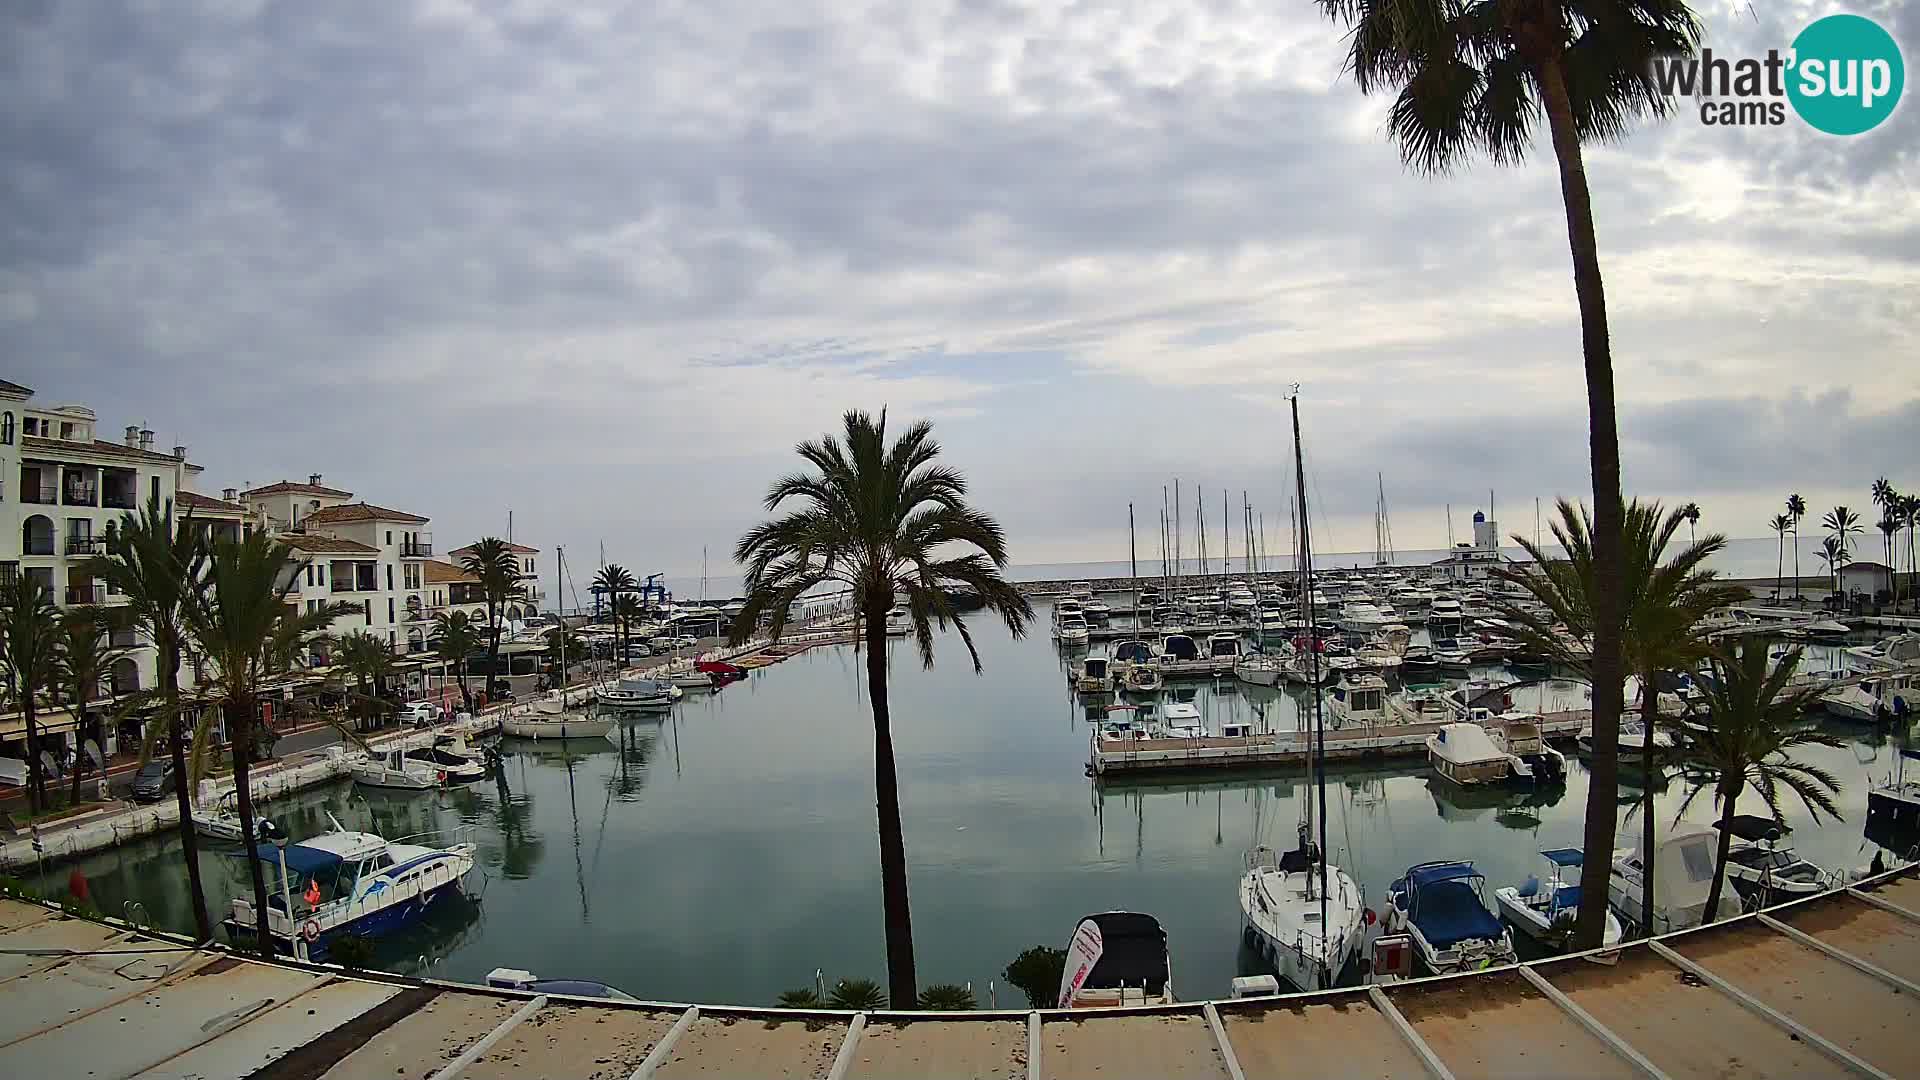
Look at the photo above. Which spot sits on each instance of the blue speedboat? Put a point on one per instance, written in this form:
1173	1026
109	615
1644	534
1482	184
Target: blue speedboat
1443	907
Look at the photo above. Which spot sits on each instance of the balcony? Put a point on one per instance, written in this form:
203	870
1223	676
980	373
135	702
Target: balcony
120	500
341	586
82	494
43	494
86	545
420	547
85	594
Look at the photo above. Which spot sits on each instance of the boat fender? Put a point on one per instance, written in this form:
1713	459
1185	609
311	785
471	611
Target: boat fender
443	776
311	931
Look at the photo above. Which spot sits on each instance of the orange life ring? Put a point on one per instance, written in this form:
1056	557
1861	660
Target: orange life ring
311	931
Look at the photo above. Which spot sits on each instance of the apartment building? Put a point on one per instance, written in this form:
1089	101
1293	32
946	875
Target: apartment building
372	557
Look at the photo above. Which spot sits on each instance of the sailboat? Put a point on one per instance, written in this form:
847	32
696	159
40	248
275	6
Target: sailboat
1305	916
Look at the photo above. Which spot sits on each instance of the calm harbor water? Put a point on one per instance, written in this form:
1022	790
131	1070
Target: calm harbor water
727	851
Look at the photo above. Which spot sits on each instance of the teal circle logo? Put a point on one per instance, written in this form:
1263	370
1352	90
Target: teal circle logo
1847	74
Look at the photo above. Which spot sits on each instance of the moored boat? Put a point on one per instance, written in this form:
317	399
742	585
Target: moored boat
1682	878
638	694
1117	958
1543	910
394	771
1281	899
565	725
1441	906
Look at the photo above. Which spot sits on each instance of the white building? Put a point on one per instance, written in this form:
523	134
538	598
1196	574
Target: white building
361	554
62	492
1476	561
1869	579
528	604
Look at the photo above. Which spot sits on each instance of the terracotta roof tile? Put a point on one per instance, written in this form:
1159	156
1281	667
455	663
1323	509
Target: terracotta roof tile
439	573
195	501
517	549
286	487
360	511
325	545
14	388
104	449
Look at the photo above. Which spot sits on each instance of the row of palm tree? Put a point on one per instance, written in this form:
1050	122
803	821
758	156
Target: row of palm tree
621	590
1898	511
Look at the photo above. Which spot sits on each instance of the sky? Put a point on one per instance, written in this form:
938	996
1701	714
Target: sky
603	265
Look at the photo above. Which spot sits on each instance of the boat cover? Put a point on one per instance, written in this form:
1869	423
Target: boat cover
1753	827
1565	856
1133	952
301	859
1448	911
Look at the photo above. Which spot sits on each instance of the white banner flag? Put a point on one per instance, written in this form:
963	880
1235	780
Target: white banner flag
1082	953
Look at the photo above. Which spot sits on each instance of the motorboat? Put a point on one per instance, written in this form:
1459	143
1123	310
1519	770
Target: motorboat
1280	898
1899	651
1545	910
1477	699
1117	958
899	624
1464	753
1530	760
1072	630
1143	679
565	725
355	883
1241	598
1068	605
393	771
1094	676
222	821
1766	873
1852	702
1358	701
1633	739
1682	877
1365	617
527	981
1423	703
638	694
1125	724
1223	646
685	675
1096	610
1181	720
1080	590
1260	670
453	767
1176	647
1450	656
1442	906
1875	697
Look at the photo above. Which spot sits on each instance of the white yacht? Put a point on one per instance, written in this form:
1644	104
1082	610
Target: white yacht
1223	646
1900	651
1358	701
222	822
1095	676
1071	630
1530	760
1874	697
538	723
1539	907
1117	958
633	693
1097	610
350	882
1442	906
1280	899
394	771
1682	877
1425	704
1181	720
1633	739
1365	617
1260	669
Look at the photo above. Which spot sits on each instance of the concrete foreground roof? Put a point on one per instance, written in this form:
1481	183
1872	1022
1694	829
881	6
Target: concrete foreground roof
1821	987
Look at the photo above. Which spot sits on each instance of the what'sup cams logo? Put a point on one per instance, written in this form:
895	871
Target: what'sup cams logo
1843	75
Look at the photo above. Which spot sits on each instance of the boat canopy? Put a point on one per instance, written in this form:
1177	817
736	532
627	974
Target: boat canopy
1447	907
1432	873
1133	952
1564	856
301	859
1133	651
1466	744
1754	827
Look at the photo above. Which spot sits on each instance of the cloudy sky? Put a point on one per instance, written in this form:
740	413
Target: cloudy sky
604	264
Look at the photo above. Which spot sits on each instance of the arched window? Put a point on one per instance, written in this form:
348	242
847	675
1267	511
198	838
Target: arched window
6	429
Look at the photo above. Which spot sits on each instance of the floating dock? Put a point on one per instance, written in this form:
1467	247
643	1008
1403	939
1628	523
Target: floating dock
1284	748
1826	986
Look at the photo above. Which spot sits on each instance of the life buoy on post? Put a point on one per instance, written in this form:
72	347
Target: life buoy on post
311	931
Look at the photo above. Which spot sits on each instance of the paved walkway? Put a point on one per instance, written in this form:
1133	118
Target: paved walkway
1824	987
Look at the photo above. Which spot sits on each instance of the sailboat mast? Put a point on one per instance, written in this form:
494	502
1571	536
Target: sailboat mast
1313	660
1133	555
1178	563
560	584
1226	540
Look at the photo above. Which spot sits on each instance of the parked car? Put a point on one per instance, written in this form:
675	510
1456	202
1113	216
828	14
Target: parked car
154	781
683	641
421	713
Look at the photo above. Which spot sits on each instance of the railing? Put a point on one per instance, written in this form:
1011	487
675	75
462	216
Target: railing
82	495
45	495
119	500
416	549
342	586
84	594
86	545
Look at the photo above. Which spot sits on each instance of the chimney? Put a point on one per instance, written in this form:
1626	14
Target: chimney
146	438
230	494
314	479
180	453
133	434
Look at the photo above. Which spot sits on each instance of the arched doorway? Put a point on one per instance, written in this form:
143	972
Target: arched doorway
36	535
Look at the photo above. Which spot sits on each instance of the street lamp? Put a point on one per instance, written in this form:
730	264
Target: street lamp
267	830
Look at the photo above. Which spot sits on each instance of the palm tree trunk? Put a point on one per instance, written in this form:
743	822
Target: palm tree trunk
1796	560
36	779
240	729
1608	513
901	988
1649	712
1729	796
79	750
1779	566
177	750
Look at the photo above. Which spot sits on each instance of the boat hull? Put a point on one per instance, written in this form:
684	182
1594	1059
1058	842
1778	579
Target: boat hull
1533	922
388	920
586	727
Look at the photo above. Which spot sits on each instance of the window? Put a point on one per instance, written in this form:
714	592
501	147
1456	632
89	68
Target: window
366	611
390	639
389	574
309	575
389	537
66	431
154	487
323	573
6	429
389	604
33	426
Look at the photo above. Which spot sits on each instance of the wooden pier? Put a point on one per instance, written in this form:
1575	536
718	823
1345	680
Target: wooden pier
1286	748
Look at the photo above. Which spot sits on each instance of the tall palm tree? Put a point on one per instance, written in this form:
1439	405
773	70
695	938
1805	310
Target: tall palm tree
1910	513
85	657
30	665
1796	509
369	661
888	523
455	641
614	581
1889	527
1691	512
627	610
1740	739
1841	523
1834	556
496	570
1779	524
239	624
159	565
1479	76
1665	602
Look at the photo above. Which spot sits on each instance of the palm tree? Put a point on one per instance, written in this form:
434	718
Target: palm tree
159	566
369	661
1910	513
455	640
1889	527
239	624
1780	524
1665	602
1479	76
1796	509
1840	524
85	657
1834	556
614	581
627	610
1750	720
888	523
1691	512
30	664
496	570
